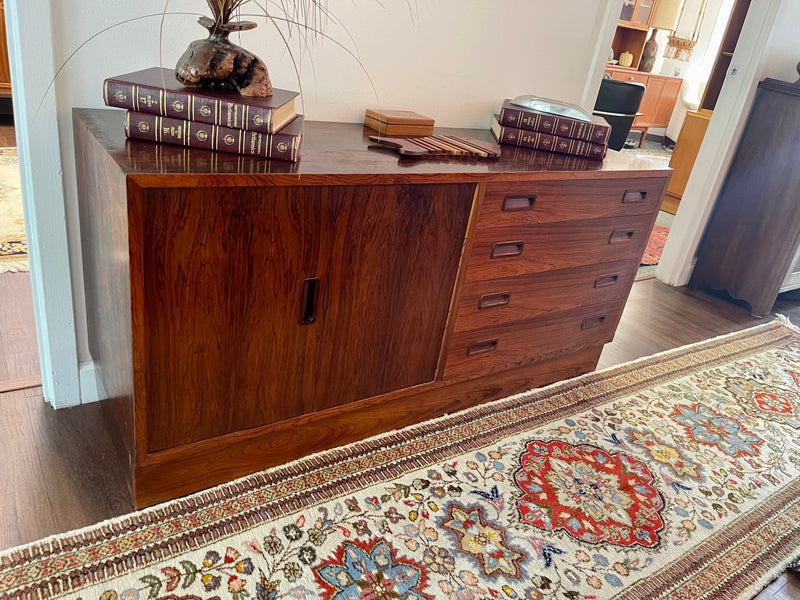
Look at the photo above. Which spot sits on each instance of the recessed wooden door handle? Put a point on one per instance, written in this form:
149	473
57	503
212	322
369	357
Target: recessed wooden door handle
512	204
503	249
633	196
492	300
480	347
594	321
606	280
308	301
620	235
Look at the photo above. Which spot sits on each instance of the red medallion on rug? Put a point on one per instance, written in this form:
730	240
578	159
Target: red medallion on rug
592	495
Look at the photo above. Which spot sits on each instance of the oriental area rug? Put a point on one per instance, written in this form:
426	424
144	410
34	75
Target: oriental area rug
13	247
675	476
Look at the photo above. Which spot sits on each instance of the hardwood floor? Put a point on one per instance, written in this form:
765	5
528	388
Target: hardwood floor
60	470
7	137
19	358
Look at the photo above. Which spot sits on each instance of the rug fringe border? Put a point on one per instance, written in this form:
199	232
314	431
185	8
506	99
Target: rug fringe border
14	266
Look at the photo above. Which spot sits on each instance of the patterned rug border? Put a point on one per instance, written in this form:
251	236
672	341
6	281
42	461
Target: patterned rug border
132	541
780	522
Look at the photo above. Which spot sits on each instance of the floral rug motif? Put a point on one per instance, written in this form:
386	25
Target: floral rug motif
13	246
676	476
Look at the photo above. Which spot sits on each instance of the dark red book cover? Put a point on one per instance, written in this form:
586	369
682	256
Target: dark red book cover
282	145
545	141
156	91
597	131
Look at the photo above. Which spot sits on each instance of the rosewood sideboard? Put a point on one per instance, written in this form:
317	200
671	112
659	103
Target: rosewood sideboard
245	312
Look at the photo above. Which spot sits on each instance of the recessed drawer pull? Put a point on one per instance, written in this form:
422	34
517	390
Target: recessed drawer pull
606	280
629	197
595	321
511	204
492	300
479	347
621	235
308	301
503	249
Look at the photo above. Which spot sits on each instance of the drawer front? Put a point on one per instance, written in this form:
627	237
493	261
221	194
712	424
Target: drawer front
630	76
492	349
511	251
517	203
499	301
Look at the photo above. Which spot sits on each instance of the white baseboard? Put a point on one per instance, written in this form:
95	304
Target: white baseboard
92	381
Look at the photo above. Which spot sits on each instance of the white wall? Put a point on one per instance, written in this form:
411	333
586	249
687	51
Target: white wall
454	60
783	52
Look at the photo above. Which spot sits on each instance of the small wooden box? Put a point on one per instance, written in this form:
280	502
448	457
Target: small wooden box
398	122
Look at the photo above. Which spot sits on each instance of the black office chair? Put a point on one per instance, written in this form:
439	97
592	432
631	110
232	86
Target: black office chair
617	102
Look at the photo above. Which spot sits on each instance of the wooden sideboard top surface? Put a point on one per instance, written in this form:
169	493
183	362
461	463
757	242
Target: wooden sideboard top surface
335	149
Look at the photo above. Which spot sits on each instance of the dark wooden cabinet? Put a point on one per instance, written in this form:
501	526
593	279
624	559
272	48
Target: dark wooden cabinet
244	313
750	248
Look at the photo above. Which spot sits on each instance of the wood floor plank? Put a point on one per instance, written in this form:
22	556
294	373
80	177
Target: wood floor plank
59	469
19	357
12	385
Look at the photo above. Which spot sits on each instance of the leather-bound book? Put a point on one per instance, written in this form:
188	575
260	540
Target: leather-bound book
282	145
156	91
545	141
596	131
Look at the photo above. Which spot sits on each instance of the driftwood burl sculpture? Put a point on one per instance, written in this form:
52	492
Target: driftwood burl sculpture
219	64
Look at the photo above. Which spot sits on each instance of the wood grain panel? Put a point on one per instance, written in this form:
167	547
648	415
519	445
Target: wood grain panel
669	95
493	349
518	203
650	101
385	300
221	276
755	227
191	468
554	246
5	70
102	205
686	148
519	298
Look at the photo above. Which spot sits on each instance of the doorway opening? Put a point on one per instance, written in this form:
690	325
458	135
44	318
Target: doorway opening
689	63
19	357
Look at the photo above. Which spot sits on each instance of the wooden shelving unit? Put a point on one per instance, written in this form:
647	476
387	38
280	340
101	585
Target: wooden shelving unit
633	27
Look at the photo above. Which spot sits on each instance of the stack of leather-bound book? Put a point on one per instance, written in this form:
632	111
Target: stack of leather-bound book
552	128
160	109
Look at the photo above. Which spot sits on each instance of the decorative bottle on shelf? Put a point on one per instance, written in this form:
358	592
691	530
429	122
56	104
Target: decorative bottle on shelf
649	53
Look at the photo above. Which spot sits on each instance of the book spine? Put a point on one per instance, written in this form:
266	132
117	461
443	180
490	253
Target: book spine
553	143
186	106
555	125
154	128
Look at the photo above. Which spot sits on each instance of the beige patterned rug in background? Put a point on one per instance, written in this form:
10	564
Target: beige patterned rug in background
13	245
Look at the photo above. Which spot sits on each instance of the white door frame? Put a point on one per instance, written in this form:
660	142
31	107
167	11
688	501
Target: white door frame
30	44
719	144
